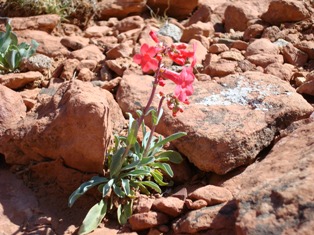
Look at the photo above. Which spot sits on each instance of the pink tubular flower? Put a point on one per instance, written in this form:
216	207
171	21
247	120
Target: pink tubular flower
183	80
146	58
153	35
179	53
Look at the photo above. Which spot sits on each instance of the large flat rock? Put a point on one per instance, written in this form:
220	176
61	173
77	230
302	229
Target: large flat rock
229	122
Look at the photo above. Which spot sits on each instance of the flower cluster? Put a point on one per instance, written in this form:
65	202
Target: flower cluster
150	59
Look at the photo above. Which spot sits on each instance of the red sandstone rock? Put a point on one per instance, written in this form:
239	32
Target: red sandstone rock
218	48
294	56
19	80
283	71
196	30
218	219
147	220
276	193
238	15
281	11
172	206
74	42
90	52
12	108
49	45
173	8
213	195
262	46
119	8
75	123
41	22
225	118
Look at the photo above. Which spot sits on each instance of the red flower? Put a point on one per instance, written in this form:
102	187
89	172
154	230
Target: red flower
179	53
146	58
153	35
183	80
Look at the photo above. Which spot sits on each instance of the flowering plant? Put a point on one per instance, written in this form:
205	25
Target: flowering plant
134	166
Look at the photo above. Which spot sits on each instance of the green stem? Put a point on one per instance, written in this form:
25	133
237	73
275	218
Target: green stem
153	128
141	118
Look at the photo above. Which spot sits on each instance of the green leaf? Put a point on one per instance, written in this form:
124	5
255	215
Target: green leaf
5	40
94	217
158	178
145	139
171	156
152	185
163	166
126	186
132	165
169	138
147	160
13	59
116	162
137	172
107	187
85	187
117	190
124	212
132	134
139	113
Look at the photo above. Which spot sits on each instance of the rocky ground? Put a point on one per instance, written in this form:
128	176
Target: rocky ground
249	153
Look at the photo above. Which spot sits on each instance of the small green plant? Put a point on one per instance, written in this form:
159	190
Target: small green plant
133	167
12	53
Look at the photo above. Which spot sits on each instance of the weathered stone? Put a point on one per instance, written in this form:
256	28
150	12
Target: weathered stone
195	205
172	206
238	15
211	194
41	22
119	8
307	88
49	45
97	31
19	80
264	60
202	13
90	52
169	30
15	209
281	11
12	108
219	218
129	23
74	42
218	48
307	47
124	49
283	71
61	127
173	8
294	56
69	69
37	62
262	46
85	75
196	30
232	55
253	31
221	68
143	204
228	122
276	194
147	220
119	65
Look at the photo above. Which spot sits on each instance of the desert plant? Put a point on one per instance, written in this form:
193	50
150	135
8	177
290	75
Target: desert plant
12	53
131	166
